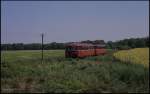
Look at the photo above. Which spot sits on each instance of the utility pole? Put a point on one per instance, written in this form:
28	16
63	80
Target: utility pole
42	45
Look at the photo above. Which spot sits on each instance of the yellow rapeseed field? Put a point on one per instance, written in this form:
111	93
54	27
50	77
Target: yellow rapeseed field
137	55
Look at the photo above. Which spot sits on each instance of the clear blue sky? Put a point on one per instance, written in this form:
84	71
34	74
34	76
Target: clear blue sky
64	21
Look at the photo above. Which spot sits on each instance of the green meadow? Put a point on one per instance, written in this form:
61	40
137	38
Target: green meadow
23	72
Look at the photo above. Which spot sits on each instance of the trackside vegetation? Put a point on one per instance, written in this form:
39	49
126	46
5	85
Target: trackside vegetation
23	72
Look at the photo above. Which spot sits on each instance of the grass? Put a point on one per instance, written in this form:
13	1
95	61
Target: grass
22	71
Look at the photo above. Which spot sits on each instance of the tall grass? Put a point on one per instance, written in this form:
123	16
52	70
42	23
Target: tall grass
23	72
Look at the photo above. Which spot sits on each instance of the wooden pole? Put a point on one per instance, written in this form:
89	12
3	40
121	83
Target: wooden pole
42	46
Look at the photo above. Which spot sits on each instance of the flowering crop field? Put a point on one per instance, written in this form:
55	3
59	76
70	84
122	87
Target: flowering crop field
137	55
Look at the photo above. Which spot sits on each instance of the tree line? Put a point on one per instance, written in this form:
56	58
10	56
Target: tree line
121	44
32	46
129	43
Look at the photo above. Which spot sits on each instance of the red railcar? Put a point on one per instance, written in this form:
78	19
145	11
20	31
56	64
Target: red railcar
84	50
100	49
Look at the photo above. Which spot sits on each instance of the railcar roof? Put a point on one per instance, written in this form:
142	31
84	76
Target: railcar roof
85	44
79	44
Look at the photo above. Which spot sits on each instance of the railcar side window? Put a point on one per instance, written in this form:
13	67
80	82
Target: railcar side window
85	48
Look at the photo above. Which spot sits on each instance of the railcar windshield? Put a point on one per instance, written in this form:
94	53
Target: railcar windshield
71	49
68	48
